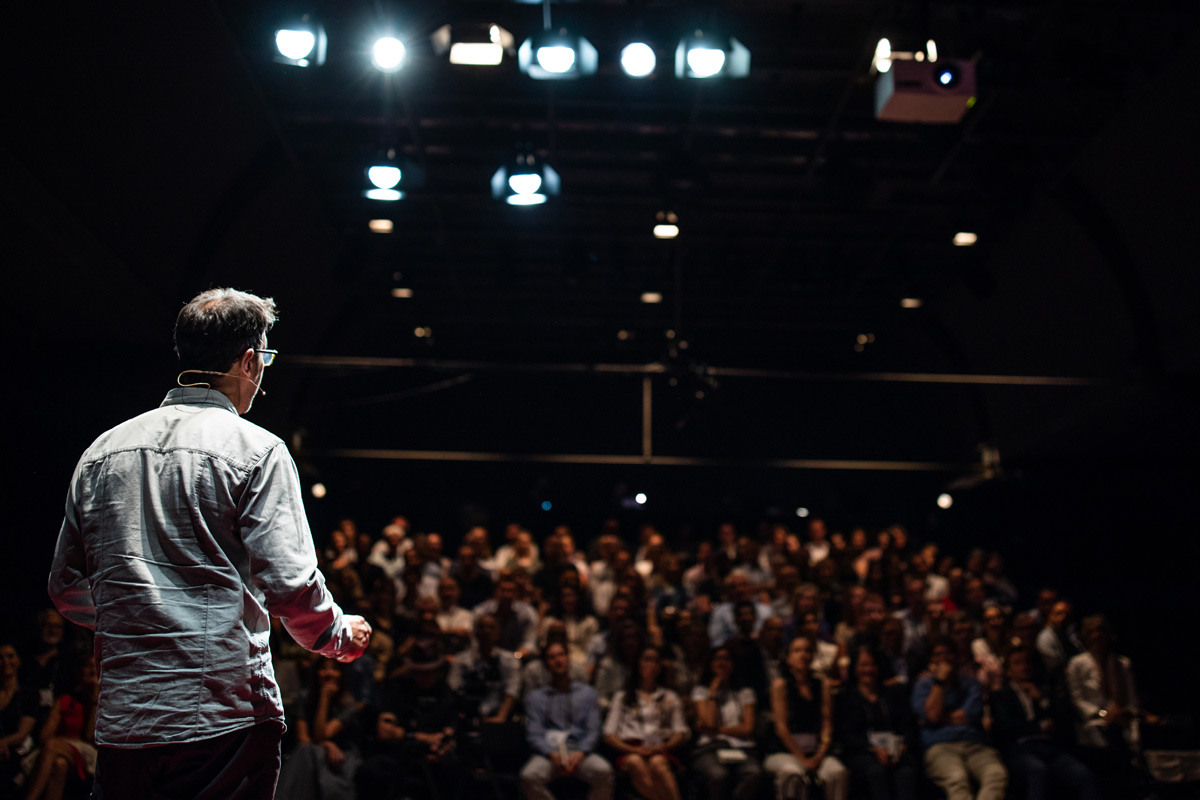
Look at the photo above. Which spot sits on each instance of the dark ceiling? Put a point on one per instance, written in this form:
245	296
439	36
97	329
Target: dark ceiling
154	149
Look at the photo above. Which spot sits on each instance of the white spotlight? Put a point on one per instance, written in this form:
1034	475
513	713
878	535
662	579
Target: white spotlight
801	512
965	239
944	500
525	183
640	498
383	176
666	231
380	225
883	56
558	59
295	45
704	62
638	60
652	298
387	54
318	490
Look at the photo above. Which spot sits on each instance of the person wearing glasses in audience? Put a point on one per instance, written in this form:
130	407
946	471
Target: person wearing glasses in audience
184	532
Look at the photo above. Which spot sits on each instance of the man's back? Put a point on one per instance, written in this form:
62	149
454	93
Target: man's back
192	526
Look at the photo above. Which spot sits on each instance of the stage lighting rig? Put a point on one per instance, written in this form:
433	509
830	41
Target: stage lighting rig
706	55
483	45
557	55
300	44
525	181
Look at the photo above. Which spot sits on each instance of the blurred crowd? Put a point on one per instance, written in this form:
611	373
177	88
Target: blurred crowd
802	664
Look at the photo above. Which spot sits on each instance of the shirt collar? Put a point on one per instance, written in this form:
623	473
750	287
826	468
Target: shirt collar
198	396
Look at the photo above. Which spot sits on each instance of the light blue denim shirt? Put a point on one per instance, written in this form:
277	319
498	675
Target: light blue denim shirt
184	530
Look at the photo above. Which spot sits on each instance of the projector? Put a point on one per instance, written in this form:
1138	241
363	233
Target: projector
923	91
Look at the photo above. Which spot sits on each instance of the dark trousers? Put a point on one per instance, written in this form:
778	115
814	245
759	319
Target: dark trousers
242	765
877	782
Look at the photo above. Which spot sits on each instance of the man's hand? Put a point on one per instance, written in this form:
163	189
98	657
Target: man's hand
333	755
361	632
958	717
572	762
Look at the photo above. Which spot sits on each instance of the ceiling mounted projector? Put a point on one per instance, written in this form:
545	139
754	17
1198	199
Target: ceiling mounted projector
922	91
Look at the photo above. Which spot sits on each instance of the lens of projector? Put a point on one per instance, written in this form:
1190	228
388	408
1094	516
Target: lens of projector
946	77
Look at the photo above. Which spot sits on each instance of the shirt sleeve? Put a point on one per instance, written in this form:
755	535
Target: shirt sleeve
535	722
615	710
675	711
283	561
68	586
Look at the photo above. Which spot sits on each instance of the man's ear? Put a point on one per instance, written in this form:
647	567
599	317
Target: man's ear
246	362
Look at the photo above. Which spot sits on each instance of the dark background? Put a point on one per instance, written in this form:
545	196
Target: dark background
153	150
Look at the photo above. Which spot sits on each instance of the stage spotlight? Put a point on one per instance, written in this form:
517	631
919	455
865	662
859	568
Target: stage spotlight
301	45
387	54
473	45
550	55
384	179
638	60
704	55
666	225
525	181
965	239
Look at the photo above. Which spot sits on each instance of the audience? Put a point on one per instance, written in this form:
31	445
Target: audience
867	663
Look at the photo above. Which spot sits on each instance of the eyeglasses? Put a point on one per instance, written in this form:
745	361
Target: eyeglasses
268	355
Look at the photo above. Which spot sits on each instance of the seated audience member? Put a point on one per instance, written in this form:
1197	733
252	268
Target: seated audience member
1024	729
748	564
787	580
474	579
455	621
516	618
825	654
18	716
488	678
644	727
619	610
68	737
771	645
722	625
415	731
997	584
874	727
519	553
562	728
567	607
666	586
388	552
1108	710
326	759
704	577
534	674
817	546
802	710
602	580
40	668
747	657
620	662
1057	643
948	704
990	649
868	624
692	655
850	610
895	666
725	723
913	617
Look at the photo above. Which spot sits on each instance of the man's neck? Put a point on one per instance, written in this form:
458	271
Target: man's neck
561	683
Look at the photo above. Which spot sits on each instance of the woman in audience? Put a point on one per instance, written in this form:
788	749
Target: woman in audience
874	728
327	756
68	737
18	714
567	607
725	721
802	708
644	725
990	649
619	663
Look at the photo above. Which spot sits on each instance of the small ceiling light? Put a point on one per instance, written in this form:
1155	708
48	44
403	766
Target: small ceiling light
301	44
703	55
640	498
651	298
525	181
402	293
423	333
473	45
801	512
882	61
911	302
380	225
638	60
387	54
666	225
318	490
965	239
390	175
560	55
944	500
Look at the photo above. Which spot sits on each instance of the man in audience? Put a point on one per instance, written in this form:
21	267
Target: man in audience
948	703
388	552
488	678
1056	643
516	618
562	728
455	621
722	625
818	542
474	580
